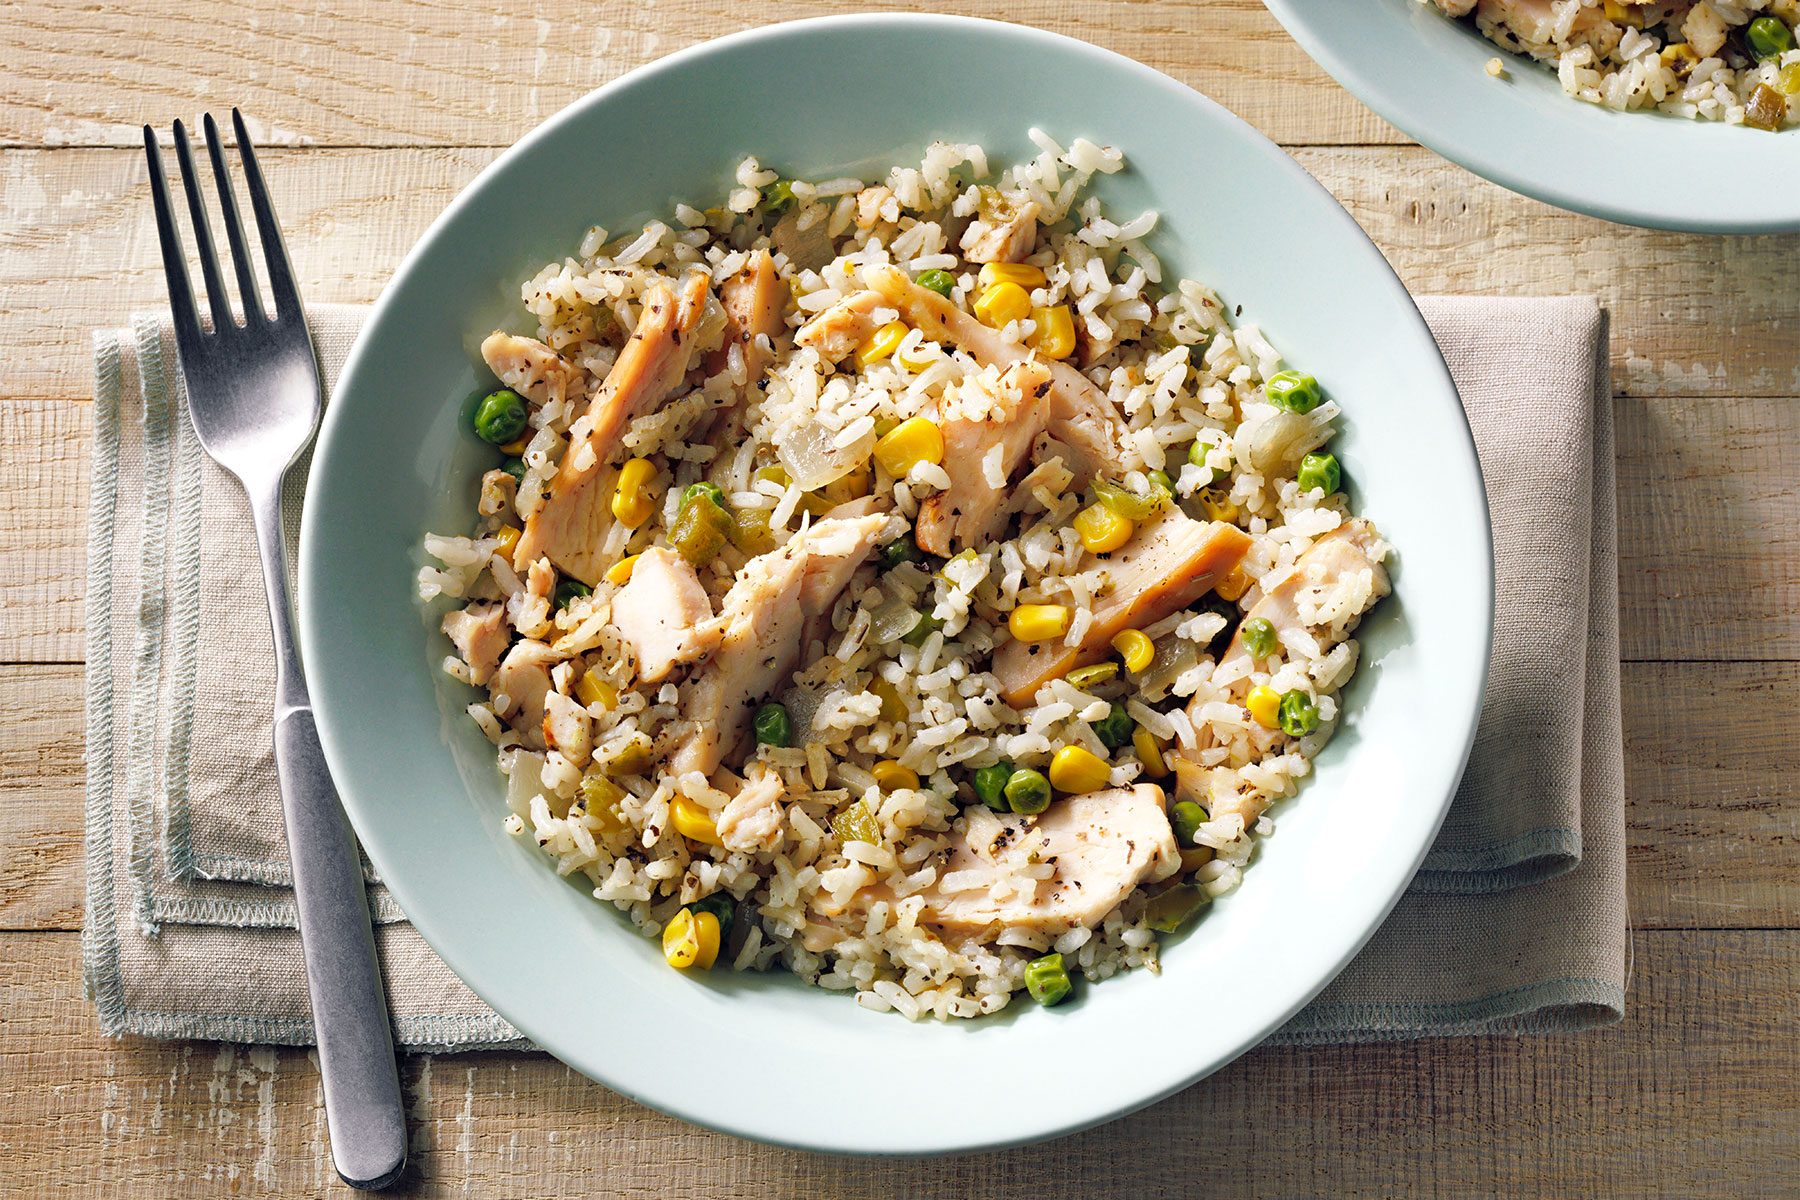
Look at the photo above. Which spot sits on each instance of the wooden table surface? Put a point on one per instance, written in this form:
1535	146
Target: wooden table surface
374	116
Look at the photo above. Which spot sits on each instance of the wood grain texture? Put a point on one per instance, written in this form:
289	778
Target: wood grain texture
427	72
351	215
1714	833
1689	1098
43	525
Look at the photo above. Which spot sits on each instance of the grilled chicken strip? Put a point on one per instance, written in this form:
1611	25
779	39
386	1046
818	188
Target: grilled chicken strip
664	615
1167	566
530	368
1080	416
971	511
569	527
763	621
1103	844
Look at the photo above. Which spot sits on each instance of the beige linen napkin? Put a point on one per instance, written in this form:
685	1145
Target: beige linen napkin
1517	920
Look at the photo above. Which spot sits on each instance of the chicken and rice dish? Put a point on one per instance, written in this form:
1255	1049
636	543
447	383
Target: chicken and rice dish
1716	60
902	583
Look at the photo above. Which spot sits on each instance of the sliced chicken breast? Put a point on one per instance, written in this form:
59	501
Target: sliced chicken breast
1102	845
755	304
751	820
664	614
1080	416
522	681
1003	239
763	621
480	636
972	511
530	368
570	525
1168	565
840	329
1324	591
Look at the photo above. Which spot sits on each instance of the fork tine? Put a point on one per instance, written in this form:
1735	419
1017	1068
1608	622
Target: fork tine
281	272
203	243
234	227
181	292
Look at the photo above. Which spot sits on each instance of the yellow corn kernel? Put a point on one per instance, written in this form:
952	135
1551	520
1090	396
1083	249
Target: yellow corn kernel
1073	769
505	538
1622	14
1235	584
1681	56
893	706
517	446
881	343
892	776
693	822
1055	336
1218	505
1023	274
909	443
1149	752
1195	857
1003	304
1136	648
632	503
1102	530
620	572
691	939
1264	703
591	689
1039	622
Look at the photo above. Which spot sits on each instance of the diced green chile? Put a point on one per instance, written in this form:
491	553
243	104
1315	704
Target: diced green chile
990	785
1170	910
773	728
1115	728
1028	792
1299	714
778	197
935	280
1047	980
927	625
901	550
1186	817
500	417
569	589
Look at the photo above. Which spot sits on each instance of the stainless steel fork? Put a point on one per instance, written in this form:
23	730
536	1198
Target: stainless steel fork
254	395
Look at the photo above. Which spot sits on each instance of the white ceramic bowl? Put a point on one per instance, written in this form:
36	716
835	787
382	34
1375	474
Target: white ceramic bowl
763	1055
1425	74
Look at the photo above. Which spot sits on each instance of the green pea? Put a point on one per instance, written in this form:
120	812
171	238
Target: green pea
1186	817
711	491
1115	728
990	785
1197	453
1768	38
778	197
1160	481
720	905
926	626
500	417
514	467
1259	637
934	280
569	589
773	728
1293	391
901	550
1047	980
1027	792
1320	471
1299	714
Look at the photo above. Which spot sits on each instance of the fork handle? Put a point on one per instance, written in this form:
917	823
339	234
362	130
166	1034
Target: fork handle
356	1048
359	1076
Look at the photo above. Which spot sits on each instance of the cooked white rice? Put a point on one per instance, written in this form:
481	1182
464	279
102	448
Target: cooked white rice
1175	370
1689	59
